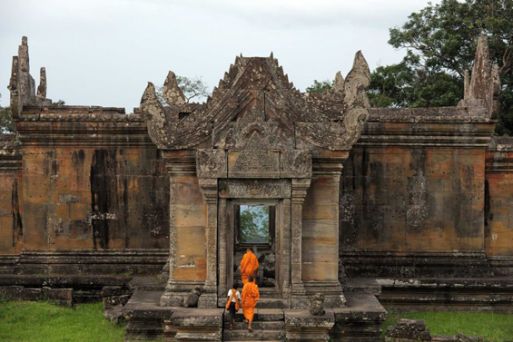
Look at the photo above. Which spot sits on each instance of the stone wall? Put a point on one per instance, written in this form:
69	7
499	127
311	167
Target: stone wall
11	226
498	217
89	179
413	194
401	199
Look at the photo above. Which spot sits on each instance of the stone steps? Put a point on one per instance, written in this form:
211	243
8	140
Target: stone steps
256	335
261	314
255	340
268	325
271	303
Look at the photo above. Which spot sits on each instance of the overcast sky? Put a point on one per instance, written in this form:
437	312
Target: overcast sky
100	52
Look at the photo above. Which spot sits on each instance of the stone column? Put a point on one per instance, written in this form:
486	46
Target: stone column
299	190
176	166
223	251
209	296
322	275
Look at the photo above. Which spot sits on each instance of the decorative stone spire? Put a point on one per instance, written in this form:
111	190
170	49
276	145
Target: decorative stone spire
466	84
41	89
149	97
483	86
156	120
172	92
22	84
339	84
356	84
26	84
13	86
481	70
496	84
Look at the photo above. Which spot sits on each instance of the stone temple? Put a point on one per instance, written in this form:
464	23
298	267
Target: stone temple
351	209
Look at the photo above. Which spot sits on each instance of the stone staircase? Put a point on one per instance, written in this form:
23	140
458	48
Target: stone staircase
268	325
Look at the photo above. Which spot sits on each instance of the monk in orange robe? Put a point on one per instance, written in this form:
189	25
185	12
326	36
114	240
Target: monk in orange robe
248	265
250	297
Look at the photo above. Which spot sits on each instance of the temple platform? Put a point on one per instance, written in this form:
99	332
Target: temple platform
359	320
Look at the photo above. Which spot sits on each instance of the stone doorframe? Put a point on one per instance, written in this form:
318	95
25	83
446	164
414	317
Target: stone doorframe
287	195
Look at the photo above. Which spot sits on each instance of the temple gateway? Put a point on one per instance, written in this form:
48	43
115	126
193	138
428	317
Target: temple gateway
349	209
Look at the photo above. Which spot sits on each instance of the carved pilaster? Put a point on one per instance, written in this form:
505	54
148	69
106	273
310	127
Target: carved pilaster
176	166
209	190
285	218
299	190
223	233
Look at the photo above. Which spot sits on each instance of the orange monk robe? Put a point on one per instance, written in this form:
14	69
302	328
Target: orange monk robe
248	266
250	297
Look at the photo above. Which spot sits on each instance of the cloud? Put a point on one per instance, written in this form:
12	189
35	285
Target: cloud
103	52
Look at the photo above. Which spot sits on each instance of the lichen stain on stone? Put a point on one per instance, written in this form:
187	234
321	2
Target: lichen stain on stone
103	178
17	223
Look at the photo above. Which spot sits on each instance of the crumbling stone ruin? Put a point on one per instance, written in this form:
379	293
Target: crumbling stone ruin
411	330
192	299
364	206
408	330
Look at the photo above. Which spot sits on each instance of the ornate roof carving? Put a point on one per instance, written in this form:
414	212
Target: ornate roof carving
255	105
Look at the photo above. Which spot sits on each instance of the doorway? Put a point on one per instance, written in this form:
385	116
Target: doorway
255	228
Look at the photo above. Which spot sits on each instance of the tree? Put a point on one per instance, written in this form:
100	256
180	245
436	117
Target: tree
440	41
319	86
192	88
400	85
254	223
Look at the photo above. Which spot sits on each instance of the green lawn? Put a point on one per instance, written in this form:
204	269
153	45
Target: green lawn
493	327
40	321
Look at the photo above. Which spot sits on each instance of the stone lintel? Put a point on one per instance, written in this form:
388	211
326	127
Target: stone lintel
254	164
247	189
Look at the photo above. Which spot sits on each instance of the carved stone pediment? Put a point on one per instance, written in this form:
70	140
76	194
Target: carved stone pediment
253	163
256	107
252	131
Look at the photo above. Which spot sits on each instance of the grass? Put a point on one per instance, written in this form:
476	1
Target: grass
41	321
492	326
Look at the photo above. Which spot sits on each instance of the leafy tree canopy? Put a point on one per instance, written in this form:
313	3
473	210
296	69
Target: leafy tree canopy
192	88
254	223
440	42
319	86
